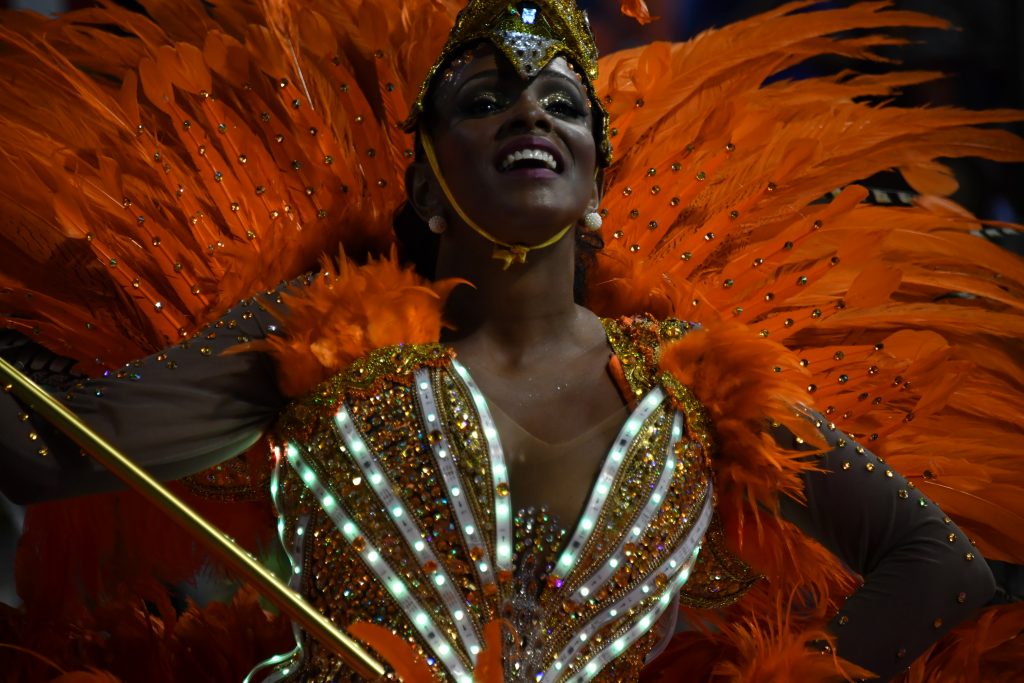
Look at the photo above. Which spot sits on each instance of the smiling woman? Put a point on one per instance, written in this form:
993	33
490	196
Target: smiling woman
494	482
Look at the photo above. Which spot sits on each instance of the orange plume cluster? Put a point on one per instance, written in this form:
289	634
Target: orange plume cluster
162	166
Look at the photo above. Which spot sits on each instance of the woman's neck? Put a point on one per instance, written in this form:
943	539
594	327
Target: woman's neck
513	316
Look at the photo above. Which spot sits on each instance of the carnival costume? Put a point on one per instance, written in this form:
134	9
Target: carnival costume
265	135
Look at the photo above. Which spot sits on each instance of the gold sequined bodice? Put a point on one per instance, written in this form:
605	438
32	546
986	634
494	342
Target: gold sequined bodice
395	509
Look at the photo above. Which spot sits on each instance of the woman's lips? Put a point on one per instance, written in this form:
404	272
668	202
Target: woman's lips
530	156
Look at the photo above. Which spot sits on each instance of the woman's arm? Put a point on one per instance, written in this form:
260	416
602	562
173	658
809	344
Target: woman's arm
175	413
921	574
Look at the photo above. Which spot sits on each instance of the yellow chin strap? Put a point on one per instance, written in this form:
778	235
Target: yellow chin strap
503	251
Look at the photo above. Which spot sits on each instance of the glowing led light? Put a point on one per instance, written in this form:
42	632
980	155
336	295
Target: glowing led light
592	668
349	529
280	526
645	588
491	433
584	591
558	665
297	570
504	549
431	418
613	563
456	492
603	489
617	456
566	559
300	530
459	615
503	510
328	501
421	619
376	479
670	463
372	556
613	612
475	649
583	637
357	447
645	623
656	497
396	511
424	386
444	650
619	645
499	469
664	599
439	580
293	452
587	524
419	546
673	564
483	567
308	476
637	531
398	588
341	417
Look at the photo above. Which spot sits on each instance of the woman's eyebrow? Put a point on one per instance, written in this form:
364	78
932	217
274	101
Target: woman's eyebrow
565	77
487	73
546	75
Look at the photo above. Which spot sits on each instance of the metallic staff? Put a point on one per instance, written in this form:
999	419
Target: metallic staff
288	601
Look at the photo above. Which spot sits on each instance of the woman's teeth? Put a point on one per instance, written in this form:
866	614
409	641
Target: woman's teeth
545	158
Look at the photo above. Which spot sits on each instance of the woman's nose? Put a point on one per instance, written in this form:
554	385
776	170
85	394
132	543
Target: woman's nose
528	115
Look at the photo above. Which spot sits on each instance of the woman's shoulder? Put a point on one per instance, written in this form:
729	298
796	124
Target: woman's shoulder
637	343
367	378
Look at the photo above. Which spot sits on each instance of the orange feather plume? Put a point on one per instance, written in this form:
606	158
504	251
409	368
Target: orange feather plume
347	311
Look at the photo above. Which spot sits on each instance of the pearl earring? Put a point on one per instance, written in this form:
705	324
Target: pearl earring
437	224
592	221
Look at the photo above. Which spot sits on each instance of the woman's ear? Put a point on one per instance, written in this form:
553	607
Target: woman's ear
597	192
422	190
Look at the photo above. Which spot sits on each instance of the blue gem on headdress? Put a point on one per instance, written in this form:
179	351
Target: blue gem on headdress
529	14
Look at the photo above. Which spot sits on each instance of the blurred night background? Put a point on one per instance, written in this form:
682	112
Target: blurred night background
984	60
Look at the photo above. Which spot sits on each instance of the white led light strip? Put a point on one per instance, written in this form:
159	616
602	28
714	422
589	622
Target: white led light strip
408	526
472	534
499	473
637	630
607	569
605	480
678	563
295	556
421	621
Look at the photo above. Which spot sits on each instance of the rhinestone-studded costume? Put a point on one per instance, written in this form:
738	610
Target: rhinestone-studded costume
172	164
394	472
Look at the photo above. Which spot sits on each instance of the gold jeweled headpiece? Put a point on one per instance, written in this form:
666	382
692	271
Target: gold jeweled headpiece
530	34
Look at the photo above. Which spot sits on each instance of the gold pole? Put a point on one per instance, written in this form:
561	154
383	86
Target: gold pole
288	601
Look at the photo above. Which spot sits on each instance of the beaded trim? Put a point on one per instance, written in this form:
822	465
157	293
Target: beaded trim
433	636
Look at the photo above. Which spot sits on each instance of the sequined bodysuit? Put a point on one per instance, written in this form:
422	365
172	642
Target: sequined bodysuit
392	482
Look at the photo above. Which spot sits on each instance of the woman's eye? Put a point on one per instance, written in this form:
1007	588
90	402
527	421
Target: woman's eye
563	106
484	103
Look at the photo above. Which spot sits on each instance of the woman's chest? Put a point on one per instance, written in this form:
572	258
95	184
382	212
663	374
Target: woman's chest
412	483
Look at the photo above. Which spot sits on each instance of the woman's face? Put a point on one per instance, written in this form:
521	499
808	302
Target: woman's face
519	156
